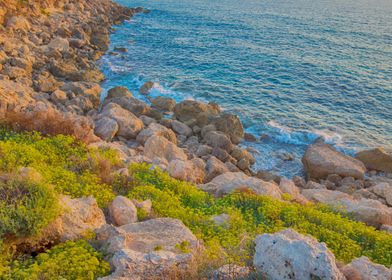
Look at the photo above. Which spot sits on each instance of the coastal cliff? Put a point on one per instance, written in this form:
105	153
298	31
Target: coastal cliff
126	189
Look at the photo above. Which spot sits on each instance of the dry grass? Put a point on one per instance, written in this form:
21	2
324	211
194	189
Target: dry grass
50	123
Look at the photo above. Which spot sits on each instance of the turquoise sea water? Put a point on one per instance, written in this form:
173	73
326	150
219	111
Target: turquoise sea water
294	70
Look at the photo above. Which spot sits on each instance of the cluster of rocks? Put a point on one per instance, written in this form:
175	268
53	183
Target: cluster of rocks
48	53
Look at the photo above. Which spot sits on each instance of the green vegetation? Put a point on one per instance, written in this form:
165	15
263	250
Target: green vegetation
61	165
69	166
69	260
250	215
26	208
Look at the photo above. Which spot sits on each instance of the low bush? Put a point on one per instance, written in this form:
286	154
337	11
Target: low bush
69	260
68	165
250	215
26	208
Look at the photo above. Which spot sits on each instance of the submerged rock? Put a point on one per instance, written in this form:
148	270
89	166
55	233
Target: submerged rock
290	255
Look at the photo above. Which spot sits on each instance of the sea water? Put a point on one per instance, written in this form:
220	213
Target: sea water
293	70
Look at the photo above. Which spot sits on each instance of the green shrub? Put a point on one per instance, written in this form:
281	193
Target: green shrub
69	260
68	165
26	208
250	215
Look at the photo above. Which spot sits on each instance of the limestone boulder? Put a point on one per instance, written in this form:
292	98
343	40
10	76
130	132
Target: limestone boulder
214	167
189	110
288	186
290	255
157	130
181	128
129	125
160	147
217	139
363	269
238	181
122	211
118	92
81	215
190	170
231	126
149	249
321	160
164	103
106	128
383	190
376	159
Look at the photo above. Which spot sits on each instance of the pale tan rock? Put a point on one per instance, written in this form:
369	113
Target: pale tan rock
376	159
238	181
363	269
190	170
106	128
321	160
160	147
122	211
157	130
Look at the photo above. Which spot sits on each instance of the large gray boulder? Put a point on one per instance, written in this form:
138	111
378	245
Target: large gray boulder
290	255
106	128
237	181
321	160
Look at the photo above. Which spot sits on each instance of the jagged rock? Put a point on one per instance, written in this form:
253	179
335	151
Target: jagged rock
290	255
369	211
321	160
146	87
106	128
157	130
231	126
122	211
376	159
164	103
217	139
181	128
238	181
160	147
149	249
118	92
190	170
129	125
214	167
363	269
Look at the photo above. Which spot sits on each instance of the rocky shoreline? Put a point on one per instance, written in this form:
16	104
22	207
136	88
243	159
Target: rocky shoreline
50	82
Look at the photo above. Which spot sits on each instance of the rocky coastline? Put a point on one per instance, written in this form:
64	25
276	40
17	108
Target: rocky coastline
50	82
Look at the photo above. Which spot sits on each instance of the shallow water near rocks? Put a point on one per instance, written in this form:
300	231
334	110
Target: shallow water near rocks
292	70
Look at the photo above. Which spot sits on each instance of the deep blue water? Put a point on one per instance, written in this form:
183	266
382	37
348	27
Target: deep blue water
294	70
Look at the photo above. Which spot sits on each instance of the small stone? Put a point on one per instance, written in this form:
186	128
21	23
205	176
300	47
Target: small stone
122	211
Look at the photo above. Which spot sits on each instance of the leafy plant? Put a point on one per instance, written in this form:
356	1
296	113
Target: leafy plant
26	208
69	260
250	215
